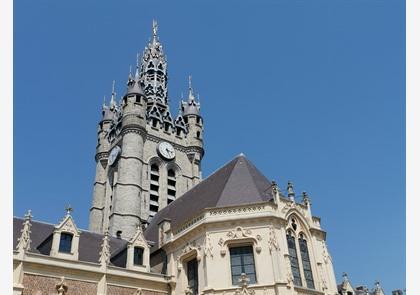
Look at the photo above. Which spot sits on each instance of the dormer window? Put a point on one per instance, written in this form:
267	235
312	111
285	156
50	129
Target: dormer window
138	256
65	243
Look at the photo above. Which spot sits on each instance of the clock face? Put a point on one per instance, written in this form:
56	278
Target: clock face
166	150
113	155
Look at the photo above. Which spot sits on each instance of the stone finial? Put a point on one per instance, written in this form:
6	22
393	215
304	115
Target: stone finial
306	199
243	280
274	187
154	28
68	209
24	241
188	291
345	277
290	191
61	287
112	103
105	254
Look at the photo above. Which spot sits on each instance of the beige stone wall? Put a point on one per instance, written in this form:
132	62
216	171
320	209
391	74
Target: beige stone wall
42	285
264	228
118	290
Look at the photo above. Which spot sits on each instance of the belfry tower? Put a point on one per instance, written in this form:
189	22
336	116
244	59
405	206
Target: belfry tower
145	157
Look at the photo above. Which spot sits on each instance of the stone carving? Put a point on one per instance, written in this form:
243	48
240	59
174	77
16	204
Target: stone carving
272	240
24	242
61	287
189	247
139	291
243	289
189	291
105	254
289	275
208	250
239	233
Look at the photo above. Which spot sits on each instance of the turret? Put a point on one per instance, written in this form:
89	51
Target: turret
194	123
193	119
128	191
109	117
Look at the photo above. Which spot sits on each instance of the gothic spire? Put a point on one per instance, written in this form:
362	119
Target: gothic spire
153	72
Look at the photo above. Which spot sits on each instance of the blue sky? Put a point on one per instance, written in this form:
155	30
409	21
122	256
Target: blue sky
310	91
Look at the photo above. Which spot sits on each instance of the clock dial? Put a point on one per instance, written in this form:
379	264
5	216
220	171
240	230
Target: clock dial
166	150
113	155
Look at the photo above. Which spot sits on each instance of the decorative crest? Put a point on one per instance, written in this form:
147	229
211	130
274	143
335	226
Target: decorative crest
243	284
24	241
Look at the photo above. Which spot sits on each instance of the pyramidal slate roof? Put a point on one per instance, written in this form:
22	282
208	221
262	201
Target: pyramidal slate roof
238	182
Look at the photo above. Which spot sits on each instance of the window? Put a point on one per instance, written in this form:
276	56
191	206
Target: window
242	261
65	242
192	274
154	190
198	134
171	186
294	263
307	271
138	256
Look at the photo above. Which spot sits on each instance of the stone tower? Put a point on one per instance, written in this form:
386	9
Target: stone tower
145	159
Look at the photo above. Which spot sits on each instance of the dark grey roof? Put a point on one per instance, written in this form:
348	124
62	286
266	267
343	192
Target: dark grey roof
238	182
89	242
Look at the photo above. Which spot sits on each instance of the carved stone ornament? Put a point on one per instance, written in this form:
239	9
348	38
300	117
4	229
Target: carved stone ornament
188	248
105	254
243	289
61	287
139	291
188	291
289	275
208	249
293	205
238	234
24	241
273	245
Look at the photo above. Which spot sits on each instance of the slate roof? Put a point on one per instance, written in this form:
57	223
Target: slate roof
89	242
239	182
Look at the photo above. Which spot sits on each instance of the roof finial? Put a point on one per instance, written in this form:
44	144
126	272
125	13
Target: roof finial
24	241
345	277
190	89
154	28
68	209
112	103
105	254
290	191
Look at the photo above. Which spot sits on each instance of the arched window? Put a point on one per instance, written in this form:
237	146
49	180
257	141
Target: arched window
171	186
304	254
154	190
294	262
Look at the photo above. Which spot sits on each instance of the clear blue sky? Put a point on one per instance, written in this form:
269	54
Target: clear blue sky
311	91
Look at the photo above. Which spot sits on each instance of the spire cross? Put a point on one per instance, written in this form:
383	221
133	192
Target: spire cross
69	209
190	82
